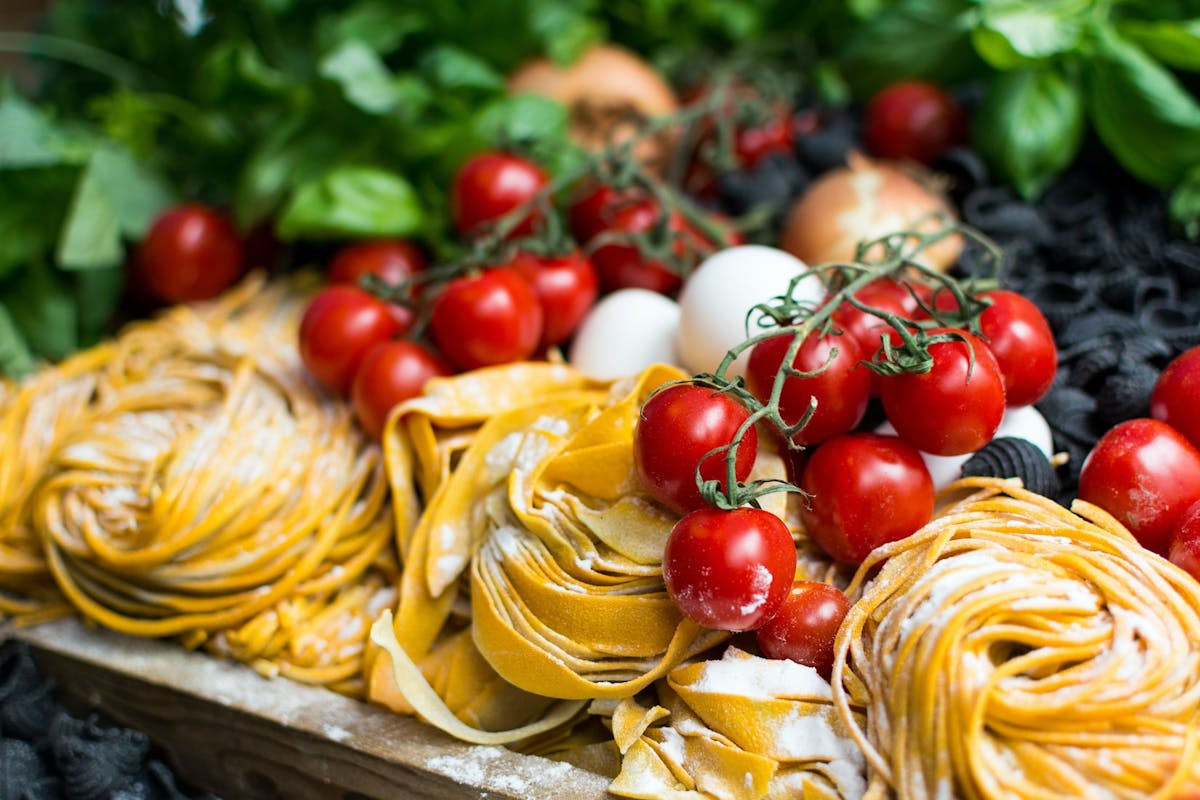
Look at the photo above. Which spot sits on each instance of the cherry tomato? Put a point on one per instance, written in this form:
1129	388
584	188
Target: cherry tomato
338	328
842	390
956	406
1184	551
393	261
885	294
915	120
1020	338
489	186
805	626
191	252
776	135
1146	474
566	288
1176	396
590	212
485	319
866	490
677	428
390	373
729	570
623	266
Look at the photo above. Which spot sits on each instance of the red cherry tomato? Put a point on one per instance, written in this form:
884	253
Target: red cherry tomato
1185	544
486	319
805	626
489	186
915	120
590	212
1020	338
729	570
885	294
842	390
677	428
867	490
338	328
390	373
566	287
1176	396
623	266
776	135
1146	474
191	252
954	408
393	261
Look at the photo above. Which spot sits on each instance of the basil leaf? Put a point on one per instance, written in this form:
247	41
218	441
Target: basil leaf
352	201
30	228
377	24
565	30
521	118
1141	112
1030	127
1185	204
911	39
29	138
1014	33
115	196
1174	43
97	295
454	68
364	79
91	235
16	360
45	313
297	151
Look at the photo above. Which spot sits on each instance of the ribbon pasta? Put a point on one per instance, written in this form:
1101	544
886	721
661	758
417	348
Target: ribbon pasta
1012	648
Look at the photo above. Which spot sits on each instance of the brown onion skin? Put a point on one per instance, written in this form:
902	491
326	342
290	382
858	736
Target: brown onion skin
602	90
814	234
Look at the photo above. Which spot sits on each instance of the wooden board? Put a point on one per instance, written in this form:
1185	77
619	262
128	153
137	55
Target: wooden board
230	731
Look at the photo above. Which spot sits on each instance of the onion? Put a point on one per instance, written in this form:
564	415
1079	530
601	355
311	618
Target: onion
860	202
605	90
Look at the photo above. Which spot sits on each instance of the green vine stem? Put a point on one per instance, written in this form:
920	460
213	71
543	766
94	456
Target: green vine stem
785	315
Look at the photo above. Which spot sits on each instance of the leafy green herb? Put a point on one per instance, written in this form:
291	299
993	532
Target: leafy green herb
352	201
1031	124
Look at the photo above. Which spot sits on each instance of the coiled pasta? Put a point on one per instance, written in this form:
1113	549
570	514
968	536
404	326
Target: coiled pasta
1015	649
201	486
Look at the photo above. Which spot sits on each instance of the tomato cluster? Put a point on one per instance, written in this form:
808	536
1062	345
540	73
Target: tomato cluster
1146	471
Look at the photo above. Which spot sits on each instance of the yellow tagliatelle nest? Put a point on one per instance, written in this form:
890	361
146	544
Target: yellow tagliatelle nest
1012	648
534	515
194	482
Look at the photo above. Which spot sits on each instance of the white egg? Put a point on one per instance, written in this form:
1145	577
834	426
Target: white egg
625	332
1025	422
721	292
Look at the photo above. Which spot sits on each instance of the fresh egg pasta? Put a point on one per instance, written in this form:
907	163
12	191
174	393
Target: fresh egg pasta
1012	648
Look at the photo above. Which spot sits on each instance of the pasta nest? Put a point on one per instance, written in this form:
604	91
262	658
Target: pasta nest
202	486
1012	648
